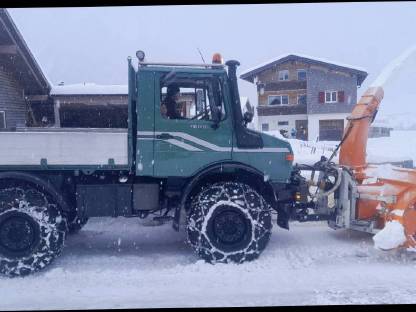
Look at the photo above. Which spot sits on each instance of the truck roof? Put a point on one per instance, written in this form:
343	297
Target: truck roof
185	67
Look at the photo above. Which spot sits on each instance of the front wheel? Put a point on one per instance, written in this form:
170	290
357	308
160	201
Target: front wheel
229	221
32	231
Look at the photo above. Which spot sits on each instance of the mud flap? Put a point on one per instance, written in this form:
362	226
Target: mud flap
283	215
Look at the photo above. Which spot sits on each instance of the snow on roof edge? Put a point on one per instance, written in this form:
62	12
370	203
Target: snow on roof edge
28	50
89	89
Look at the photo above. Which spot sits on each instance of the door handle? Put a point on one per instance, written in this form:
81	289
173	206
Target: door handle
164	136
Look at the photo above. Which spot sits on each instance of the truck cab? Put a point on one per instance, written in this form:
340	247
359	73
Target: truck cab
208	129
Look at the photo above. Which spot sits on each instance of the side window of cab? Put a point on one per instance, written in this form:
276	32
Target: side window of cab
191	98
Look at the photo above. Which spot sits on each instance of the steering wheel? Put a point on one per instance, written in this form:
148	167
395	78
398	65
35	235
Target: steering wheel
199	115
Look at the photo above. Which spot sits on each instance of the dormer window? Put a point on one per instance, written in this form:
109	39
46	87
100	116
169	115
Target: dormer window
283	75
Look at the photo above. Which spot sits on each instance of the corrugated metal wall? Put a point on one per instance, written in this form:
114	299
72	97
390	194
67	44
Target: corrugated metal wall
11	100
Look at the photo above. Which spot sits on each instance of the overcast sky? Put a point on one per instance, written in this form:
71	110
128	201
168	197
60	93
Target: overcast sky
91	44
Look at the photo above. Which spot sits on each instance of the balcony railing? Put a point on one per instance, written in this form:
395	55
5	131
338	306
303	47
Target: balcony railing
271	110
285	85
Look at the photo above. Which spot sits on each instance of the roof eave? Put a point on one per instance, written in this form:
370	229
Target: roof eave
249	76
25	52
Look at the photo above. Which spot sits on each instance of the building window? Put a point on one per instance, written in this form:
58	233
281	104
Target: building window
302	99
283	123
283	75
2	120
265	127
301	74
331	97
331	130
278	99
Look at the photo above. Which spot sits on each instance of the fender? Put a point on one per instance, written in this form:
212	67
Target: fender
40	183
209	170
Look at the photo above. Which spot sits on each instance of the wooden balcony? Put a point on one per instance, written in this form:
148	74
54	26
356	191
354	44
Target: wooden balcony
285	85
272	110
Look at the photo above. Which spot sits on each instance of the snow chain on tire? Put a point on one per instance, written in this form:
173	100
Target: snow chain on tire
214	209
44	231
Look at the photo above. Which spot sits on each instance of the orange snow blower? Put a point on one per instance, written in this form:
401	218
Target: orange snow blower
384	193
378	199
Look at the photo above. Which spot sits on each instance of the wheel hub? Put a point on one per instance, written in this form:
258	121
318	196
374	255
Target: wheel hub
18	234
230	226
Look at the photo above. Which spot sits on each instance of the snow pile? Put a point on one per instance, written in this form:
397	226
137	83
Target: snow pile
307	152
400	146
89	88
391	236
385	171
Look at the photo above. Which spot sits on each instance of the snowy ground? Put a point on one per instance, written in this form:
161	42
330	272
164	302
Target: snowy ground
401	145
117	263
122	263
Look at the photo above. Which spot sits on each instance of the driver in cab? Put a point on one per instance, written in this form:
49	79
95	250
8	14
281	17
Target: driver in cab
169	107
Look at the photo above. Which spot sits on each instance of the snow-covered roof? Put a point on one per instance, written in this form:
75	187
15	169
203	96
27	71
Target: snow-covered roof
249	73
89	88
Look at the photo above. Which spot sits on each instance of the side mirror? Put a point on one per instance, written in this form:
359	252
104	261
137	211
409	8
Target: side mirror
248	117
249	108
248	114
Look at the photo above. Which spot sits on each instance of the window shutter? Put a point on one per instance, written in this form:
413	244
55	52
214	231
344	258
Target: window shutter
341	96
321	97
2	120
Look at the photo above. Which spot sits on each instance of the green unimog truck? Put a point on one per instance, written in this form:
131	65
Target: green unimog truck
204	163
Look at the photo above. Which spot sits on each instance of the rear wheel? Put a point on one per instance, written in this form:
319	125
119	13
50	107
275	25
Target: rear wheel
32	230
229	221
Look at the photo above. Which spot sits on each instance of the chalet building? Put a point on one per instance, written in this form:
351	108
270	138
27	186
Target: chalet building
22	83
311	95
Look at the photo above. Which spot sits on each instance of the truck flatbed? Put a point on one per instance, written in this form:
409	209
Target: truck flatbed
64	147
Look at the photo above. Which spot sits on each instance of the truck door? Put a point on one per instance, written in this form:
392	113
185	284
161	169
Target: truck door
145	111
193	127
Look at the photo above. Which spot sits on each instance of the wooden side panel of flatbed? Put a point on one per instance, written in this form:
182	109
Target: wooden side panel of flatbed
64	147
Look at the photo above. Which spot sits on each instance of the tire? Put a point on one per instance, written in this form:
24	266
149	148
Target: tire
229	222
75	226
32	231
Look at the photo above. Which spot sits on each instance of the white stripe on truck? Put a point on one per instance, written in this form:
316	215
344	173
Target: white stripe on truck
212	146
